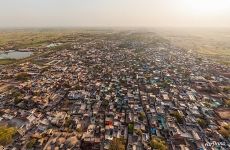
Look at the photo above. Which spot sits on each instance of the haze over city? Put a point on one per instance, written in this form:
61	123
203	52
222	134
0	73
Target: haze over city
115	13
114	74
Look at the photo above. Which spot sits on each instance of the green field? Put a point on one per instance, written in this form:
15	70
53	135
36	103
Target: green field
6	61
33	38
211	42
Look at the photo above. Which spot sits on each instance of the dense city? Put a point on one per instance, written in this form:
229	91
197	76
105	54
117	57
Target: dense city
115	91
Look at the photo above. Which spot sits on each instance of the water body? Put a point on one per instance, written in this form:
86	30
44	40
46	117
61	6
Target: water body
13	54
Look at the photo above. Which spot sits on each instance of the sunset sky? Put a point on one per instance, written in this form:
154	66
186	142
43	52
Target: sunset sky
115	13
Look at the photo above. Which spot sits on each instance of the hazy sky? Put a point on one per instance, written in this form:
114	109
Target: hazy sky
135	13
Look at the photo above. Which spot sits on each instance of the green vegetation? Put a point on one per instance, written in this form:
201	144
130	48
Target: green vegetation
178	117
130	128
207	104
6	61
6	135
226	89
44	69
23	76
142	116
68	122
117	144
37	62
138	132
79	130
203	123
225	130
105	104
158	143
31	143
17	96
17	100
33	38
213	43
165	84
227	103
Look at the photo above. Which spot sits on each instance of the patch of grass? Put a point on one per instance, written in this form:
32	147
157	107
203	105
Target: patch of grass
36	62
6	61
24	39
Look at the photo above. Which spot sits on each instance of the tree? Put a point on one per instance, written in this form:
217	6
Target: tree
17	96
225	131
130	128
178	116
202	123
227	103
142	116
158	143
23	76
79	130
105	103
6	135
68	122
138	132
31	143
117	144
207	104
17	100
226	89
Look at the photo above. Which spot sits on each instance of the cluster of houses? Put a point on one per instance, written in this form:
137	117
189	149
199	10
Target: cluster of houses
98	91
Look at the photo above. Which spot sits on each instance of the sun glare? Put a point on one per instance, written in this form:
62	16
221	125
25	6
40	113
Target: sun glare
207	7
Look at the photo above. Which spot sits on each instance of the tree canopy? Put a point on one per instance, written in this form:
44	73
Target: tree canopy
158	143
178	116
225	130
6	135
117	144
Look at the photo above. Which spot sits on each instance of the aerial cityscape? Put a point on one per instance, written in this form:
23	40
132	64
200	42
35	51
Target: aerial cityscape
127	87
97	89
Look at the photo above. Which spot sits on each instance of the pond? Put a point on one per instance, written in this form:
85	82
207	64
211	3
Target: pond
13	54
